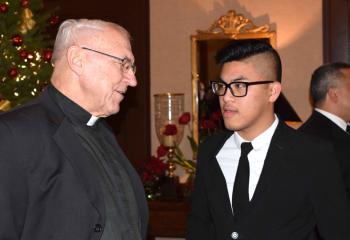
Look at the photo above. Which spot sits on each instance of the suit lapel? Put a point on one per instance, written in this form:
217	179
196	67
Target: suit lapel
69	143
274	160
217	180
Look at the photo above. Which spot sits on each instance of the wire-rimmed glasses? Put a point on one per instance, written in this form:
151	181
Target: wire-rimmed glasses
124	62
237	88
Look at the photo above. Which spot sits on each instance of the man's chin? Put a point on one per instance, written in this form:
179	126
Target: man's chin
231	126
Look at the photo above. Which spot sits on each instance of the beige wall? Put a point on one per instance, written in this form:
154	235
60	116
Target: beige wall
299	40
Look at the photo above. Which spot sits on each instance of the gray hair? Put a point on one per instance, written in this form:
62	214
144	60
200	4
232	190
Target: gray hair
323	78
69	29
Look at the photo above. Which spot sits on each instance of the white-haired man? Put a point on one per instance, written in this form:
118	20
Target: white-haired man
62	173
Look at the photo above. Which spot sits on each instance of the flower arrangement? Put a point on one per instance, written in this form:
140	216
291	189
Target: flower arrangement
153	172
188	164
154	169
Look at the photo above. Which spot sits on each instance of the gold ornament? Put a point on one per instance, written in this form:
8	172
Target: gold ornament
27	21
4	105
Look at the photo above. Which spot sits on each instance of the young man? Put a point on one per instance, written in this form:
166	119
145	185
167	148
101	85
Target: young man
62	173
330	98
275	190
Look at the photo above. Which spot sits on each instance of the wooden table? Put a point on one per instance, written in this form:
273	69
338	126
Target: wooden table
167	218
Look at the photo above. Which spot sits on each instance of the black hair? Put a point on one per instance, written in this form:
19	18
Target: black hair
242	49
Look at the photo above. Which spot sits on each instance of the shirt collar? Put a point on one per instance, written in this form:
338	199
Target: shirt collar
337	120
73	111
261	140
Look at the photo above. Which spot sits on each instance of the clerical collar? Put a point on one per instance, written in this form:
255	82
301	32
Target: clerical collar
72	110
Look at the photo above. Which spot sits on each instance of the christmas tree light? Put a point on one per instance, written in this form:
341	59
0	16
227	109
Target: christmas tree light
25	50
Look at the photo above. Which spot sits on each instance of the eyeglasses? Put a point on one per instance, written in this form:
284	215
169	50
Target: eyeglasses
237	89
124	62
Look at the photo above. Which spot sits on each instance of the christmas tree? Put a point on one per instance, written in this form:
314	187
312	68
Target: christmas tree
25	50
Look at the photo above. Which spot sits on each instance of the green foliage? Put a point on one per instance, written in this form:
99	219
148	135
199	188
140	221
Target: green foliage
24	69
180	159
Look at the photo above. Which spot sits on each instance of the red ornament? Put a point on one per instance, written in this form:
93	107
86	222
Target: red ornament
12	72
17	40
53	20
25	3
47	55
23	54
3	7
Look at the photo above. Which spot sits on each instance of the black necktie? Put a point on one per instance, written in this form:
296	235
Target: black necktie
348	129
240	195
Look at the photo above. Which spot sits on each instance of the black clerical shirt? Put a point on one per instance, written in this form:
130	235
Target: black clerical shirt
120	204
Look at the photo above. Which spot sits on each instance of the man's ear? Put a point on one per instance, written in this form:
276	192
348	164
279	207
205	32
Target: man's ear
332	94
75	59
275	91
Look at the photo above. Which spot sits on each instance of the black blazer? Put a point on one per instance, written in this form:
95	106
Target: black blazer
300	190
47	188
322	127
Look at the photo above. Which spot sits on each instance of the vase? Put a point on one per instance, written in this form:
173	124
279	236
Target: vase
168	107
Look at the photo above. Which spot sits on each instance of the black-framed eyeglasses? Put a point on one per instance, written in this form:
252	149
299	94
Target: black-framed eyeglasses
237	89
124	62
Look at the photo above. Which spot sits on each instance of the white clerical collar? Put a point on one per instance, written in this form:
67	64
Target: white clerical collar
337	120
261	140
92	121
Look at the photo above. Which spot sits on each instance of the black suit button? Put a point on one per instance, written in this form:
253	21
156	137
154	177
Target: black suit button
98	227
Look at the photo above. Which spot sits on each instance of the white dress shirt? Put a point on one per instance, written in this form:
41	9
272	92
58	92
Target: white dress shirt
228	158
337	120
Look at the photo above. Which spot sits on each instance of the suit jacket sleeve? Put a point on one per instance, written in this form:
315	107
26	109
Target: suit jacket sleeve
200	224
329	197
13	186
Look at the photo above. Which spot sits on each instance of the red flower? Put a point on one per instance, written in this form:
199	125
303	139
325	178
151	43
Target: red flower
170	129
153	169
215	116
162	151
208	124
185	118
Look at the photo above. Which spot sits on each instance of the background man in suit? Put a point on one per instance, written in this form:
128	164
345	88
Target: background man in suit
62	173
330	97
277	187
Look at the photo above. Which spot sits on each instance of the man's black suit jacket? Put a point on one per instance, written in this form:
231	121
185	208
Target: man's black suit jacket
47	188
300	191
322	127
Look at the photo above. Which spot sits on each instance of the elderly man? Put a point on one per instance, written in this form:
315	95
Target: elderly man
62	174
330	97
263	180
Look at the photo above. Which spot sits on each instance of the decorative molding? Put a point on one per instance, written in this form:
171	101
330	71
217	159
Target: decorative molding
233	23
